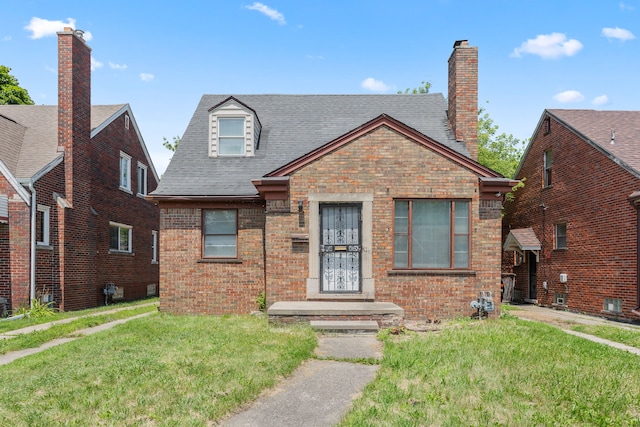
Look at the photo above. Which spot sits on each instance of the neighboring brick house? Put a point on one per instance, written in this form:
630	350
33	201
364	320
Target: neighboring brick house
574	226
334	198
73	181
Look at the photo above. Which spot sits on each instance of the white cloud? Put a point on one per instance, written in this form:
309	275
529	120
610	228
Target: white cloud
6	39
44	28
374	85
117	66
600	100
548	46
266	10
146	77
95	64
624	6
568	96
315	57
618	33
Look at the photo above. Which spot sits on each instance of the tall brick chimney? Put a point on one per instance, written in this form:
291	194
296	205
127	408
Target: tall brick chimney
463	95
76	224
74	110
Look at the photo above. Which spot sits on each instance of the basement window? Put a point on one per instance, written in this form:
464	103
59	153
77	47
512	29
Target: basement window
613	305
560	299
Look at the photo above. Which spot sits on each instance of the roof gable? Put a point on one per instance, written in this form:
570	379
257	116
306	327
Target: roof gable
616	134
391	123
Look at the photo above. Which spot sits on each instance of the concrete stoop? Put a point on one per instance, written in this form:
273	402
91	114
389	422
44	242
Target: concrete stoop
338	316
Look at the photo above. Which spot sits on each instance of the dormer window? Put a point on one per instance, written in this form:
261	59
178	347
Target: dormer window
234	130
231	136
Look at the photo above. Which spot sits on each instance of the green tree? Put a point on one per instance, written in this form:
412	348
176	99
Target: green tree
10	90
424	88
500	152
169	145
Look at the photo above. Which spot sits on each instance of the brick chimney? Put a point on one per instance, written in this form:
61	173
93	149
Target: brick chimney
76	224
74	111
463	95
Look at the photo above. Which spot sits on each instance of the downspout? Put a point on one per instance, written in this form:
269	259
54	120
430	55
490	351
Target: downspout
32	269
635	310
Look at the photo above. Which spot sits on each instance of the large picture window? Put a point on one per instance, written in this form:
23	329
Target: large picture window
431	234
220	228
231	136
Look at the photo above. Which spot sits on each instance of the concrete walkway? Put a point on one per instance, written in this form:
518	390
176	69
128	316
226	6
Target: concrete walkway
14	355
44	326
565	319
320	392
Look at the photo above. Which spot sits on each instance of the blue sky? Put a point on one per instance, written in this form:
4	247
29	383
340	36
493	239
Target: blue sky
161	57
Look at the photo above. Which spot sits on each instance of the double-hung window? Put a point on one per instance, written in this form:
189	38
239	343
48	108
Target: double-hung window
154	246
220	232
561	236
120	237
125	171
431	234
231	136
42	225
142	180
548	160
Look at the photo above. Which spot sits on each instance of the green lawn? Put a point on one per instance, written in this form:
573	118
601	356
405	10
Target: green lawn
503	372
10	325
158	370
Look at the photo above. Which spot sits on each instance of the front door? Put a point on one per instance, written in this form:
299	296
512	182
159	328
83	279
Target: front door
533	276
340	248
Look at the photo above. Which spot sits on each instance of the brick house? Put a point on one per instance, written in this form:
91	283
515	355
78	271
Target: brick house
73	181
332	199
574	226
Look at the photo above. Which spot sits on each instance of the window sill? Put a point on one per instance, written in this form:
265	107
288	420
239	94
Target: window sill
219	261
154	262
451	272
613	313
561	249
126	190
112	252
547	187
142	196
44	247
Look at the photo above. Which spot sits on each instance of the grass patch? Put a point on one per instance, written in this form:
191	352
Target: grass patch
11	325
504	372
629	337
37	338
157	370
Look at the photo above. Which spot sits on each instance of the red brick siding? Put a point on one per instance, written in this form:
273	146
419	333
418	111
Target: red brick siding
135	271
390	166
189	285
589	192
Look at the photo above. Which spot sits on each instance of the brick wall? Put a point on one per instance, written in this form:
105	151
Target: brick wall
132	272
589	193
463	95
190	284
389	166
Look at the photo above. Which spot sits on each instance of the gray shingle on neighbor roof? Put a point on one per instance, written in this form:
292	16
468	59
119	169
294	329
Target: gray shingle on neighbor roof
39	143
597	126
292	125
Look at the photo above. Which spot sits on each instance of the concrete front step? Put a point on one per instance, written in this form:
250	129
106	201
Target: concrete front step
348	326
385	314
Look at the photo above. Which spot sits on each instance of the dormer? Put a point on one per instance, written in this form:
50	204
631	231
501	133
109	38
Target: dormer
234	129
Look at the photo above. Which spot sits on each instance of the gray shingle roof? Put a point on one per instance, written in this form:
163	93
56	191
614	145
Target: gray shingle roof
597	127
27	153
292	125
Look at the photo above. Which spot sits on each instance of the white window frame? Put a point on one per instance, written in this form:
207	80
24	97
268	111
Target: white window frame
241	137
154	247
142	179
45	210
120	227
125	172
